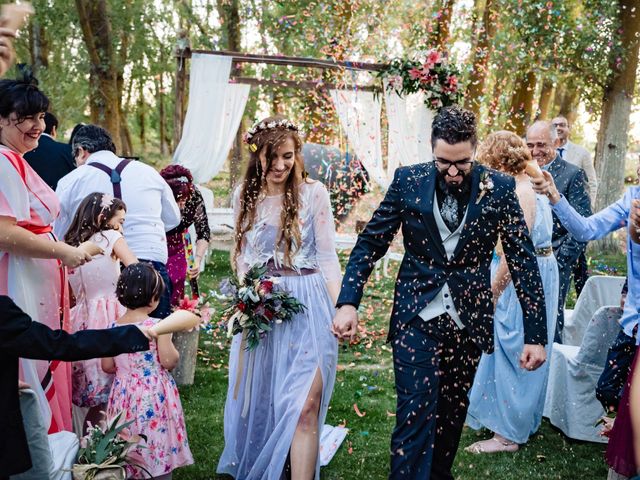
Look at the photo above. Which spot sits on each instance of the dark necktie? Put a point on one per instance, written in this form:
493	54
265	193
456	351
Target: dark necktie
561	152
450	212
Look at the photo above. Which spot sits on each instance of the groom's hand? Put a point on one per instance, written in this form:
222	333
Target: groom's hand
533	356
345	323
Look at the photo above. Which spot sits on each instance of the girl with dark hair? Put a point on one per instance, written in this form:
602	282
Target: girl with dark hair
192	212
143	388
283	220
99	219
32	262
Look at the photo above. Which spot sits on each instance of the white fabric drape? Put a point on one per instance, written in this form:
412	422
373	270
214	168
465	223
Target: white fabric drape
409	129
359	114
213	116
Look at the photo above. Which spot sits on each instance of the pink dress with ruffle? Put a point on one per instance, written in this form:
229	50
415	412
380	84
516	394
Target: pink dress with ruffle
94	285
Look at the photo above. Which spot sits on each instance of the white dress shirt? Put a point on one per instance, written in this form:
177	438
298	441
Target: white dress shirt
151	208
443	302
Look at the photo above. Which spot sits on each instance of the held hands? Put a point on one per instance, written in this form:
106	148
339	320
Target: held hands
533	356
546	186
345	323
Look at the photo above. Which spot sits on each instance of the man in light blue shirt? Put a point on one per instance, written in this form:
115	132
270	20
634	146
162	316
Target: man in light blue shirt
597	226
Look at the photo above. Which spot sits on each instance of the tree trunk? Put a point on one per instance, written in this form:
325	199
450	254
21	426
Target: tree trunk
38	46
439	36
611	148
180	87
521	108
141	117
558	96
494	105
104	95
162	121
481	53
544	102
569	103
229	12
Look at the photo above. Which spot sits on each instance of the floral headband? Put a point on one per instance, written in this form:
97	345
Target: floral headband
259	127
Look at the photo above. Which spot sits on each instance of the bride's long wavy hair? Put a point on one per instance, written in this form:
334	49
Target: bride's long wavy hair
254	186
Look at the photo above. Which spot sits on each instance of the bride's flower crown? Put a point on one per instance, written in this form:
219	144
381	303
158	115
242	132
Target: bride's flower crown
261	126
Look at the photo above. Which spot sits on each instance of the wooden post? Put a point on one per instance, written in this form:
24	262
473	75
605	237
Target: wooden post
182	49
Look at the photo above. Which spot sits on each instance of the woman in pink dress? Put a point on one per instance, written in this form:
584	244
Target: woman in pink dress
32	261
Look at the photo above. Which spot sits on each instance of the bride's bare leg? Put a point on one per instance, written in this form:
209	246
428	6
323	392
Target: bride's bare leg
304	448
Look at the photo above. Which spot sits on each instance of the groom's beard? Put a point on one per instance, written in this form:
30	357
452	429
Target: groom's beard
457	189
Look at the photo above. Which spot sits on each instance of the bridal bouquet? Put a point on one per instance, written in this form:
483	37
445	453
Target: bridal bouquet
255	304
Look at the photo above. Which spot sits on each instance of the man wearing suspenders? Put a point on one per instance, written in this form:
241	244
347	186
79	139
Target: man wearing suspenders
151	208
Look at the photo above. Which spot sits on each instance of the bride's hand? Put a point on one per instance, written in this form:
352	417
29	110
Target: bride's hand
345	323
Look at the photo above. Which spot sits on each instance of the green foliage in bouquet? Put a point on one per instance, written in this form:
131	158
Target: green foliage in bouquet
104	447
255	304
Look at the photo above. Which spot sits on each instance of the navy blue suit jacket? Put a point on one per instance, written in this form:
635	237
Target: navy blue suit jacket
51	160
425	267
22	337
571	182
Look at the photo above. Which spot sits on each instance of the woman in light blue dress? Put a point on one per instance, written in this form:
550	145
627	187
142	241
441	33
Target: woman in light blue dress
279	393
505	398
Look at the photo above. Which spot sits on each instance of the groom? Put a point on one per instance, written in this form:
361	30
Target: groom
451	212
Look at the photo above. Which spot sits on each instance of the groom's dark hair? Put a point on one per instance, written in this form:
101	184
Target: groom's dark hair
454	124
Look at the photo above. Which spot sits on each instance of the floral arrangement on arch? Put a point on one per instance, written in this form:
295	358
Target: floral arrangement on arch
434	76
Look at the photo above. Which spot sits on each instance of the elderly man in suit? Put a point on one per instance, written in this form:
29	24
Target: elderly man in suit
571	181
51	159
581	158
451	212
22	337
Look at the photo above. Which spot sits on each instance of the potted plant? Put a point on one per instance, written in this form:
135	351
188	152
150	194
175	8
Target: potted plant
103	451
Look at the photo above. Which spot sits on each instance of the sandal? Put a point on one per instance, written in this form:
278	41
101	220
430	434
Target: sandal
492	445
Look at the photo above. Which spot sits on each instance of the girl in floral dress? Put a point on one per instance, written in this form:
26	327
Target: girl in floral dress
99	219
143	388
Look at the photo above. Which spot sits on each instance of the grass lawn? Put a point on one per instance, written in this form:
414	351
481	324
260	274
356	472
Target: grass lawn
365	378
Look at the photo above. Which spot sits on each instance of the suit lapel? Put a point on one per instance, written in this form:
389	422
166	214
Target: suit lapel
428	190
474	208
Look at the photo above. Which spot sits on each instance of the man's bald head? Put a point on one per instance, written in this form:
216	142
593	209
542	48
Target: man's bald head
541	140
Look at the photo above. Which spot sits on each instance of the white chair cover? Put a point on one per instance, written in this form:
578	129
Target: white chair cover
51	455
571	403
600	290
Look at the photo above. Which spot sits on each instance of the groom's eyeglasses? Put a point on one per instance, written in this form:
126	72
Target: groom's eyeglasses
461	165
